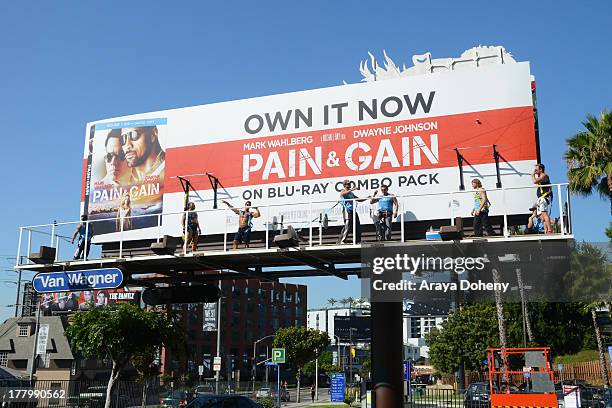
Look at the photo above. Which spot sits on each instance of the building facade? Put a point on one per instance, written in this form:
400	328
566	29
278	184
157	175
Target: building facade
419	319
250	311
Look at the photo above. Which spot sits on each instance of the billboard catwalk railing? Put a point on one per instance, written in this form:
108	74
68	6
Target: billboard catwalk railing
310	224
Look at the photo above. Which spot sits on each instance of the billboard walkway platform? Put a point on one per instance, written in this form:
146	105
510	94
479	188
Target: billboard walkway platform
272	263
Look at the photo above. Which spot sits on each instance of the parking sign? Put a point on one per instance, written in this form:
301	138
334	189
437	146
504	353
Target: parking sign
278	355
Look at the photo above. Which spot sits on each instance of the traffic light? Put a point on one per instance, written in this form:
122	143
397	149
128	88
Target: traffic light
353	352
181	294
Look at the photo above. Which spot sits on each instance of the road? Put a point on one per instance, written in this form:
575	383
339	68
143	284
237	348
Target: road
305	397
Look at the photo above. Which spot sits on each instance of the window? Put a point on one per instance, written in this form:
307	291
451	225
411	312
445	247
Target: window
428	324
3	358
24	331
415	327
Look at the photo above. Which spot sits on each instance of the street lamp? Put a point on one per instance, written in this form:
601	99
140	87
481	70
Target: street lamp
254	351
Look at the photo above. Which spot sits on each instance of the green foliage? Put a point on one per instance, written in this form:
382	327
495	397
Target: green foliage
267	402
609	232
590	274
589	157
325	359
465	336
123	333
301	344
580	357
366	367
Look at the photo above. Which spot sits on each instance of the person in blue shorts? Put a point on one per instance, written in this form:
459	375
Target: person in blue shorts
245	223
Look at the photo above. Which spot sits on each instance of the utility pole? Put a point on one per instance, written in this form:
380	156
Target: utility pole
317	376
218	337
17	300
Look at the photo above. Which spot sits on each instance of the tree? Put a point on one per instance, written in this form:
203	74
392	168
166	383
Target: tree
301	346
588	281
325	359
589	157
146	364
609	232
366	368
332	301
124	334
463	338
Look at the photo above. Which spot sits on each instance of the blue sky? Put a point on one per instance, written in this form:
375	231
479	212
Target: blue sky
66	63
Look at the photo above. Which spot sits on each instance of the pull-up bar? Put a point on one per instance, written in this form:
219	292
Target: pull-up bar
461	159
186	185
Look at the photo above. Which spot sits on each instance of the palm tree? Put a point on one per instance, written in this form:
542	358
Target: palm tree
332	301
592	308
589	281
344	301
589	157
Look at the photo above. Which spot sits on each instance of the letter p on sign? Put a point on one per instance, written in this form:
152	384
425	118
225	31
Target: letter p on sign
278	355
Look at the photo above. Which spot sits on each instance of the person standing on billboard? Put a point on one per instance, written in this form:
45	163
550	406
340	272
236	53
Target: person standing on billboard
387	210
544	193
143	152
348	202
80	231
193	226
480	212
245	223
117	170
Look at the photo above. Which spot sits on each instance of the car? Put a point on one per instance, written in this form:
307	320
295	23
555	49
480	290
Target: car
174	399
223	401
477	395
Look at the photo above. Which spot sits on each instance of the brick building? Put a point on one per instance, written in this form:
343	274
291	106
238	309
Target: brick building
250	310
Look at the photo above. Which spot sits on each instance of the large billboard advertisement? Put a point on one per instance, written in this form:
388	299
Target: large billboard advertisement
86	299
293	151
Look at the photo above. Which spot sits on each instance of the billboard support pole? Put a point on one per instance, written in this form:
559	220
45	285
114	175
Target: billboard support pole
460	165
496	158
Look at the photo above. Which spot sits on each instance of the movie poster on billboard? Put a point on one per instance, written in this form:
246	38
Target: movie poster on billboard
210	317
87	299
126	183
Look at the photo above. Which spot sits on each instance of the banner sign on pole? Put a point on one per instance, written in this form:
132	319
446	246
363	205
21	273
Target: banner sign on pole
210	317
43	337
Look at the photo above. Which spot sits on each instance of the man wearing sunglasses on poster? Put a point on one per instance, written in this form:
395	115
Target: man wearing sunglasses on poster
117	170
143	153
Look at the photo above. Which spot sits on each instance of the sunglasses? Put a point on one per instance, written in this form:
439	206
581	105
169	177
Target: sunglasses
110	156
133	135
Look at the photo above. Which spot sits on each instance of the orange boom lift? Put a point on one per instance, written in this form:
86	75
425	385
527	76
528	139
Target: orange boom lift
521	377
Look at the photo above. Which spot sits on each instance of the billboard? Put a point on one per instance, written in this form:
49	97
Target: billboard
86	299
359	326
294	149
